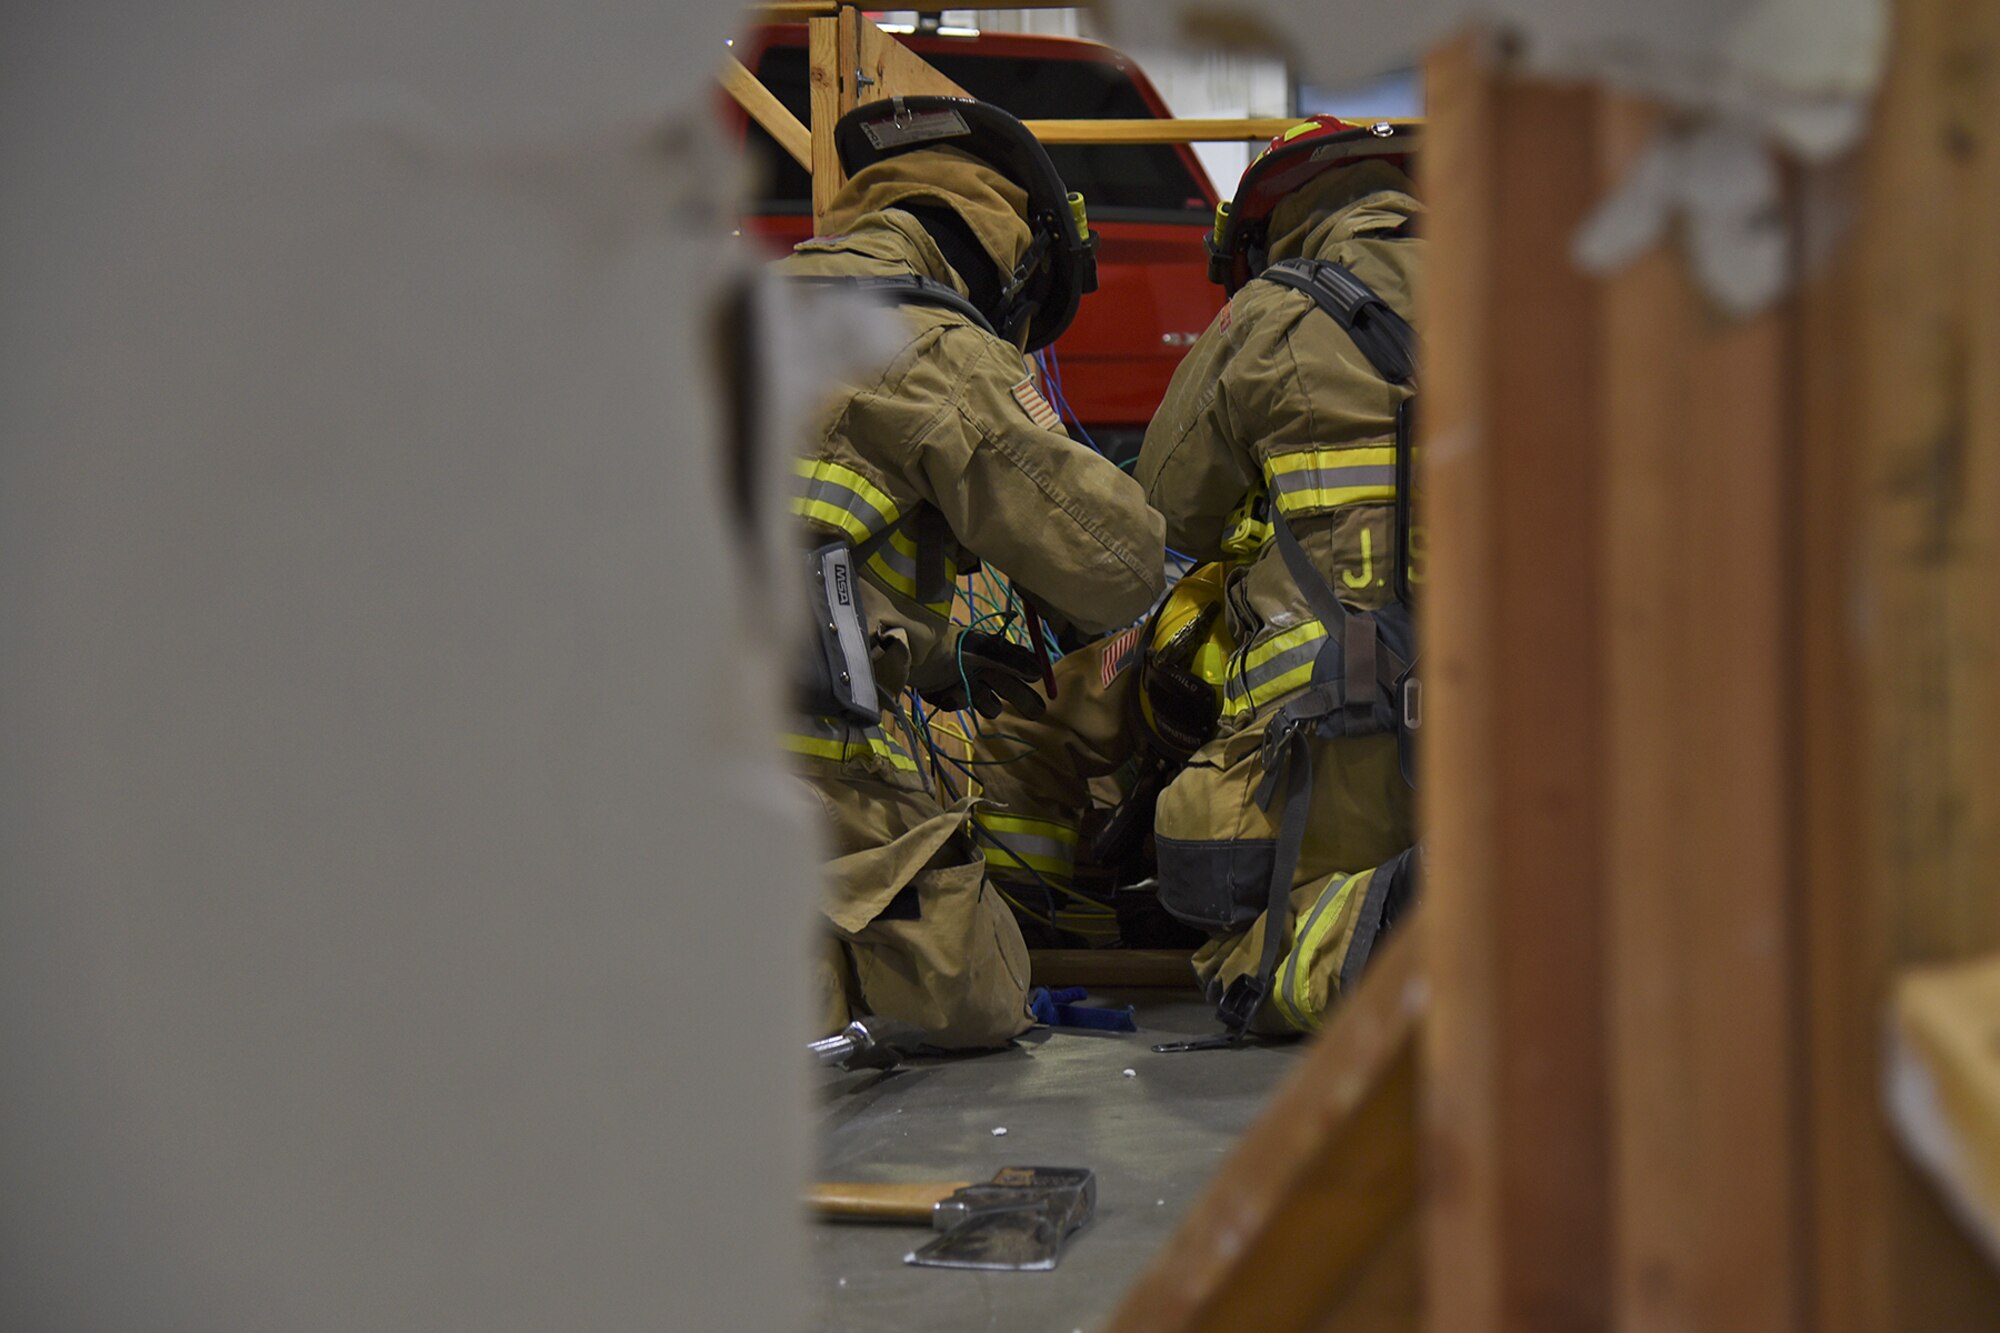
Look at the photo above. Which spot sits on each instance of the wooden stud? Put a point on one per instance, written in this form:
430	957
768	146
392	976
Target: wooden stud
1900	449
1116	968
824	91
1700	963
1518	1208
763	106
1160	131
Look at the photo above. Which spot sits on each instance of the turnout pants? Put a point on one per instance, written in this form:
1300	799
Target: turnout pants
1216	847
1215	843
1036	780
915	933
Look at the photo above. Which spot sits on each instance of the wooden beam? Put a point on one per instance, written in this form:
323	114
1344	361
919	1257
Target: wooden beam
762	106
824	92
1900	450
1160	131
1518	1225
1700	884
1945	1080
1145	968
884	67
1311	1215
792	11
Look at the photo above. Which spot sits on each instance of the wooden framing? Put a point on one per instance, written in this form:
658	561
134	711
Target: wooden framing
1713	623
763	106
1899	402
1517	1230
1162	969
791	11
851	61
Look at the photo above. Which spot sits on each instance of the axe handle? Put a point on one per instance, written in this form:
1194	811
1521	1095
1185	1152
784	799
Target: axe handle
875	1202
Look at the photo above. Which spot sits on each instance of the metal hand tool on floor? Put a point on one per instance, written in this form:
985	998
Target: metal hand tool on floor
866	1043
1015	1222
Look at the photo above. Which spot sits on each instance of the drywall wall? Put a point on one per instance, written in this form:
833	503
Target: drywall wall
400	898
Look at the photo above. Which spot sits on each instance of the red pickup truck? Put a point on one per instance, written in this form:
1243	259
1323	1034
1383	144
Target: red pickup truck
1150	203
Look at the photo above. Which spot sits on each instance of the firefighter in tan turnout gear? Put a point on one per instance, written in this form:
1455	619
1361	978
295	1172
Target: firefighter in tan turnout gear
1276	449
1268	745
953	213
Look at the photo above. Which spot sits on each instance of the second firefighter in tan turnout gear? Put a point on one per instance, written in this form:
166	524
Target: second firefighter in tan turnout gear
948	454
1275	405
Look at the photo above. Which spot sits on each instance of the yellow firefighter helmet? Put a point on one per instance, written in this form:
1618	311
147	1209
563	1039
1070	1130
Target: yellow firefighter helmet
1186	661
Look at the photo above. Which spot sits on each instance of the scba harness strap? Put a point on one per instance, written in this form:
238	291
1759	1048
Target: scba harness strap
896	289
1364	679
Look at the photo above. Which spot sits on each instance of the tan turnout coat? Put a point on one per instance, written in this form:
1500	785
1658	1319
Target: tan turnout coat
951	437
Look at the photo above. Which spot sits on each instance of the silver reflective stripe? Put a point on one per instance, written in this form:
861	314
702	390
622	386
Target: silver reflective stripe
1029	848
895	563
1329	478
1277	666
838	496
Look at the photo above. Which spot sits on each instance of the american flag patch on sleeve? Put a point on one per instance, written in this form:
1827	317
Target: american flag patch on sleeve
1037	407
1118	654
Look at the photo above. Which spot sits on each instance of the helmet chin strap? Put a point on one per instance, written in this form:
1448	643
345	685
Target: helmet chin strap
1015	310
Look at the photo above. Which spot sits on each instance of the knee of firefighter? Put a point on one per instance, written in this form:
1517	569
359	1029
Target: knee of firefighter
957	969
1361	806
1216	844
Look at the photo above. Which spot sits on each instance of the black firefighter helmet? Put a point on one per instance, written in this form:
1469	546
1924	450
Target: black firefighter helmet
1238	246
1061	263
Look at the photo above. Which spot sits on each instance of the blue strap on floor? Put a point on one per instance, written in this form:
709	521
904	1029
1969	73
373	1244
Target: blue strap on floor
1059	1009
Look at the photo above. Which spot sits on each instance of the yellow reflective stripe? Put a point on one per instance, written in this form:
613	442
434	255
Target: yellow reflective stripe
1365	455
1046	846
1010	856
833	516
1332	497
1029	824
1280	664
892	578
1293	992
843	751
1331	478
887	511
899	575
1292	638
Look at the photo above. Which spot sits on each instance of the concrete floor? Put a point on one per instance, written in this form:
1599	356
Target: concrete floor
1153	1139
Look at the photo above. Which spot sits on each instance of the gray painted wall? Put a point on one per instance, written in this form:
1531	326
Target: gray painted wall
397	899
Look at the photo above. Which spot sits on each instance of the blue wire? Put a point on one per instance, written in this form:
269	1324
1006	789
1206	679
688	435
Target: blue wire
1052	376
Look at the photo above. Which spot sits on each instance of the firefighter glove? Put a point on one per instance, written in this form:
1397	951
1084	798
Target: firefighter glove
995	671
